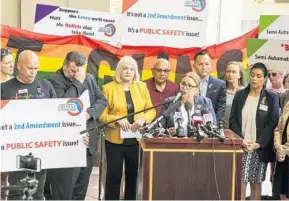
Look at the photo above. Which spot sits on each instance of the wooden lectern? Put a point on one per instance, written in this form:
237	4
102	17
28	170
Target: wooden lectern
186	169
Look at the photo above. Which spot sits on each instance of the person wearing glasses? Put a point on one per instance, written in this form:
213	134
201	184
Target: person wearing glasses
7	65
276	80
159	86
190	87
254	116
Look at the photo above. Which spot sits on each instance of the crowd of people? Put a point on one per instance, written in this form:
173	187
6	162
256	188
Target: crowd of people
258	112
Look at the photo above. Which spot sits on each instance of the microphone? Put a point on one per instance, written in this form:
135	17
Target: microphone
166	114
178	96
180	131
221	129
197	122
208	119
190	130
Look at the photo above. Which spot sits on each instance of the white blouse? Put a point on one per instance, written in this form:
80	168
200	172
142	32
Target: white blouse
249	118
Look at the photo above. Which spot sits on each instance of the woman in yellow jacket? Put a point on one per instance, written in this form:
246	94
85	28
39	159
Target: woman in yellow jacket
125	95
281	144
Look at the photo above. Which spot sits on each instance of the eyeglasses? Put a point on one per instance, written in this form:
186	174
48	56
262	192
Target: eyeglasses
187	85
5	52
162	70
272	74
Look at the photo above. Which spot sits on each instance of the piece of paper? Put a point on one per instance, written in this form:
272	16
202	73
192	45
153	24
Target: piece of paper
128	134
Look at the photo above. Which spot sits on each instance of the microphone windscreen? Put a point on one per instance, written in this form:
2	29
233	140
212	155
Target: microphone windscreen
197	120
205	111
188	106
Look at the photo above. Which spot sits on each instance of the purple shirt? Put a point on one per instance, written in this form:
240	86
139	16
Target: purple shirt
158	97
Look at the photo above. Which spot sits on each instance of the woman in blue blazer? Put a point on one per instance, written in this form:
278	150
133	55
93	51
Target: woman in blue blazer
190	87
254	116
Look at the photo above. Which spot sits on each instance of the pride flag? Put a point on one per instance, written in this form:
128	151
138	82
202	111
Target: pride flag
103	58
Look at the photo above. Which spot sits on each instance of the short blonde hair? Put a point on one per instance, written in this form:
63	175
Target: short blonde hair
161	61
129	62
194	76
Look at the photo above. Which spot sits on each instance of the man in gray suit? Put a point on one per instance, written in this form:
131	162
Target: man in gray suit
69	82
211	87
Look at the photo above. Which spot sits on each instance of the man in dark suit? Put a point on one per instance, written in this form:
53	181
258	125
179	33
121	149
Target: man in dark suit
70	82
211	87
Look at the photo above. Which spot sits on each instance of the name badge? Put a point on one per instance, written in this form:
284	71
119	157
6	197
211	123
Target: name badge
22	91
263	107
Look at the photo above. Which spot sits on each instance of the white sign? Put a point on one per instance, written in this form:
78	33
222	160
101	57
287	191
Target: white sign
174	23
273	53
64	21
47	128
274	27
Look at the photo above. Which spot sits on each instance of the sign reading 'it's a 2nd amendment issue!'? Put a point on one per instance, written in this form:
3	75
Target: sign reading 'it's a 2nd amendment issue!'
173	23
47	128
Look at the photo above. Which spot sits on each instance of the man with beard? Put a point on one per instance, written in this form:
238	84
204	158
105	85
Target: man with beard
26	85
70	82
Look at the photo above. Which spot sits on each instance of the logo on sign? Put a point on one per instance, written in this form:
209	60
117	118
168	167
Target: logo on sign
285	46
73	107
196	5
108	30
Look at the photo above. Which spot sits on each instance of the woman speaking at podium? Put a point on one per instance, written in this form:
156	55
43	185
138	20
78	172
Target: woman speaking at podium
254	116
125	95
190	88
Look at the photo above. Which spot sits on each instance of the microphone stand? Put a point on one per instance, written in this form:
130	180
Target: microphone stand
101	128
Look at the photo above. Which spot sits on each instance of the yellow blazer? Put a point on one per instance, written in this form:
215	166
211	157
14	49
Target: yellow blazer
117	107
280	129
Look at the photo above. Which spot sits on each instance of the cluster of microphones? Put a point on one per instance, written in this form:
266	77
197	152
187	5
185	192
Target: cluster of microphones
200	123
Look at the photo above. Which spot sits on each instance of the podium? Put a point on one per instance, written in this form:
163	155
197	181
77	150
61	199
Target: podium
186	169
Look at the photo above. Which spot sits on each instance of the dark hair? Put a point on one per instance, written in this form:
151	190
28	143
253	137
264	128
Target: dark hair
260	66
201	53
5	52
285	77
77	57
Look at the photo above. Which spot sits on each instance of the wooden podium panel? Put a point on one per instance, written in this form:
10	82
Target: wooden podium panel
186	169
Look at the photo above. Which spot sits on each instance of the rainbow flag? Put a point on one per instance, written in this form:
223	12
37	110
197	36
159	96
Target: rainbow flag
103	58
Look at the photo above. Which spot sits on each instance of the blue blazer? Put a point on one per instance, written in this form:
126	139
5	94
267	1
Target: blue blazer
216	91
204	102
266	121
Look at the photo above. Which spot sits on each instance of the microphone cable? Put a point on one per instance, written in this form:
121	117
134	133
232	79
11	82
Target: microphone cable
237	187
214	166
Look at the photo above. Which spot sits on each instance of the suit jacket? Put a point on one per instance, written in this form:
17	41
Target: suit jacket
216	91
279	130
117	107
204	102
266	121
65	88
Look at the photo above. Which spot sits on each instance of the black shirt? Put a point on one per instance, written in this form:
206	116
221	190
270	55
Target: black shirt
14	89
130	109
